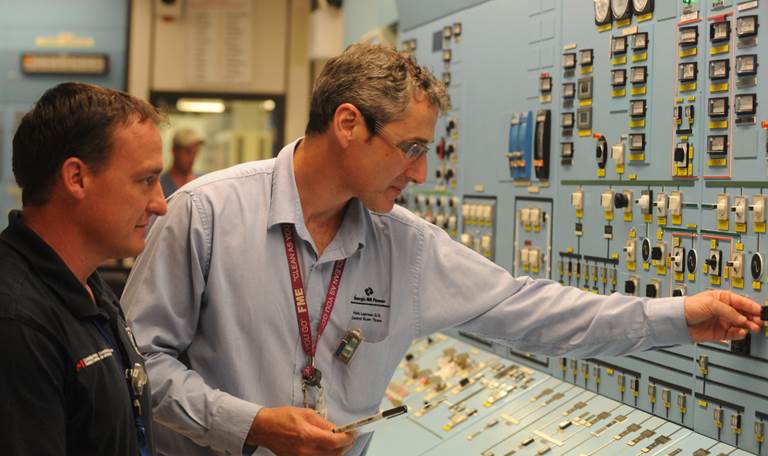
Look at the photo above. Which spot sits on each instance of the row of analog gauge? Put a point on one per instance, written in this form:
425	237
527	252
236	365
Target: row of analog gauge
609	10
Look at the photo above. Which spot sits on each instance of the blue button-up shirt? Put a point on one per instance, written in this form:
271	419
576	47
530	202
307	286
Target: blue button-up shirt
211	304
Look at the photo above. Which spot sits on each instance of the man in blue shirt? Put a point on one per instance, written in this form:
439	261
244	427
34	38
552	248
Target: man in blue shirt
252	262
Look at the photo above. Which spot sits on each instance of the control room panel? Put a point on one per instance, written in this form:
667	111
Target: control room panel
614	146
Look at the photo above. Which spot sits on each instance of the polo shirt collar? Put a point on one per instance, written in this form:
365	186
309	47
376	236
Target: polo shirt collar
285	207
51	268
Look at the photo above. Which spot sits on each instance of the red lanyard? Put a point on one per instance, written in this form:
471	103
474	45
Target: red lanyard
300	300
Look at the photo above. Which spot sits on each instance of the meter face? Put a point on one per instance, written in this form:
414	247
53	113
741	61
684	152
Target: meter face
569	61
717	144
642	6
746	26
720	31
602	11
639	75
637	108
569	90
718	107
545	84
640	41
745	103
718	69
619	45
620	8
585	57
746	64
567	120
618	78
687	72
689	36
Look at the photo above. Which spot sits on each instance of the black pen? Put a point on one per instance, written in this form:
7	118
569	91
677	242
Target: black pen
385	414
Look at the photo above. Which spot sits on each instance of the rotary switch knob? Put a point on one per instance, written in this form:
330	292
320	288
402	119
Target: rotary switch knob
620	200
601	152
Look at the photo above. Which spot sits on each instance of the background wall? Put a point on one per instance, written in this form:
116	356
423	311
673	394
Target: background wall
85	26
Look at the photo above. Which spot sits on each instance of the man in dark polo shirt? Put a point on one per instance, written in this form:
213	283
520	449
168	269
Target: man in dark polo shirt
72	381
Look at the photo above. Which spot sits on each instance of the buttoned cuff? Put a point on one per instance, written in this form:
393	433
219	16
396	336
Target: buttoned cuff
233	418
666	317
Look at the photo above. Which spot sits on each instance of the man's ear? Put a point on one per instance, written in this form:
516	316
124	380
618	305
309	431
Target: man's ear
348	124
74	176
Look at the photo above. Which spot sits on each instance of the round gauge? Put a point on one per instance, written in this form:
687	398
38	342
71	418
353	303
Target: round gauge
602	12
645	249
620	9
642	6
756	266
691	261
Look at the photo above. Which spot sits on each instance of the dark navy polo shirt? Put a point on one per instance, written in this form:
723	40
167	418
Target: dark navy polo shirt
63	388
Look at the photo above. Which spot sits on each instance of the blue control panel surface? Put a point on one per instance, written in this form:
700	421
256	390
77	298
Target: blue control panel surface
618	147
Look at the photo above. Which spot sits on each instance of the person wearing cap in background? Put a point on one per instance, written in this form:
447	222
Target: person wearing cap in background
186	145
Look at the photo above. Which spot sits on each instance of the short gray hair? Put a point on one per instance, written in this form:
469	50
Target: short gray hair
378	80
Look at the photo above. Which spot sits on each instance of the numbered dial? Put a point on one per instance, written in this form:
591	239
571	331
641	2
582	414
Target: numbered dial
602	12
642	6
620	9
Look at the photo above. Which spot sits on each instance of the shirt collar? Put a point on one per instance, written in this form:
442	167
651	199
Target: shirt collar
51	268
285	207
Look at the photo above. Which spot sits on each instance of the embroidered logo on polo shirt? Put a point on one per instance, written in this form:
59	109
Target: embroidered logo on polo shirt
94	358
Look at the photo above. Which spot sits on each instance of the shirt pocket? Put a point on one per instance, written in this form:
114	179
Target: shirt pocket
365	378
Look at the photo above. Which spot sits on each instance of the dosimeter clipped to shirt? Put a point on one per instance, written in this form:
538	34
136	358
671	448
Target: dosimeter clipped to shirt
348	345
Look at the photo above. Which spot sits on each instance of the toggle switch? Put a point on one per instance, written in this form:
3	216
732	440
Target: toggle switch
758	208
739	209
736	265
629	249
721	208
606	200
525	216
644	202
617	153
675	204
661	204
677	258
577	200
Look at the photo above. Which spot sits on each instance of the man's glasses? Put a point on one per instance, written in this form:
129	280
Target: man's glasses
412	149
